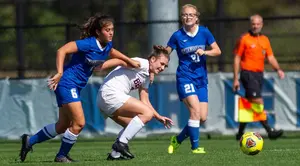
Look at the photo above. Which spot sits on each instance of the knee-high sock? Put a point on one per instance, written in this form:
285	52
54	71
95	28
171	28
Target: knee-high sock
183	134
67	142
194	133
46	133
134	126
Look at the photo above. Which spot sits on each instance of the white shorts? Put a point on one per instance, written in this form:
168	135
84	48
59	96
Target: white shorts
109	100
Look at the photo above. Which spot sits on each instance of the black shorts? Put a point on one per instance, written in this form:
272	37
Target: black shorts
252	82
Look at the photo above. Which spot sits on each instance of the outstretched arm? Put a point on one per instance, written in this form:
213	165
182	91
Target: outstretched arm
144	97
117	54
111	63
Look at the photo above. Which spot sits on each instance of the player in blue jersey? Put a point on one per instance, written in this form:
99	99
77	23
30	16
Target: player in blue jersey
92	50
190	43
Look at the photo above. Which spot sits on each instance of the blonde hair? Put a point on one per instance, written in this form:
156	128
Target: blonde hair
191	6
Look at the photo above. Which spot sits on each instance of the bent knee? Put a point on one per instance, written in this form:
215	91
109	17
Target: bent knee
146	116
78	126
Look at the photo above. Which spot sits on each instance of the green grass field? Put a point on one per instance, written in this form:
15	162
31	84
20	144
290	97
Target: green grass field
154	152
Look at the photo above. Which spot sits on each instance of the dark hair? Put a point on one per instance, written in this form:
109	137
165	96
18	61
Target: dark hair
158	50
96	22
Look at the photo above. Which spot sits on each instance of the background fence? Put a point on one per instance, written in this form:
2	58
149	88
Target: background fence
32	30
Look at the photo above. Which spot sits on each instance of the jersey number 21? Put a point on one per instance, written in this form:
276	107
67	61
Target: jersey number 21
189	88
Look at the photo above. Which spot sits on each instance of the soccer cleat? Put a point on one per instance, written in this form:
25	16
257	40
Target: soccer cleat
111	158
173	145
25	147
64	159
198	151
72	160
123	149
274	134
238	136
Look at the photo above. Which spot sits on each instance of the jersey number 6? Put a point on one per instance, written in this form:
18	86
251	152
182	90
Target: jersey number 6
74	93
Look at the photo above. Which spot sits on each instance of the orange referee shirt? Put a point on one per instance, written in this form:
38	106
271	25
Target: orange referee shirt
253	50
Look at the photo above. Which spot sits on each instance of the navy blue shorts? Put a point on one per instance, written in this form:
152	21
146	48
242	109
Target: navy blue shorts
65	95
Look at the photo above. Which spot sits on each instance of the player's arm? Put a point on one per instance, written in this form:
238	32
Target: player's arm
111	63
117	54
61	53
169	49
144	97
215	50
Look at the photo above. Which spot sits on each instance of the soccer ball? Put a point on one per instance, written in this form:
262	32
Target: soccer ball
251	143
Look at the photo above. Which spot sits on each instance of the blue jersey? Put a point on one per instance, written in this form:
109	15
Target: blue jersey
90	54
191	65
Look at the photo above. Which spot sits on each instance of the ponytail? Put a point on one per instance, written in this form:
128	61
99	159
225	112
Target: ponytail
93	24
158	50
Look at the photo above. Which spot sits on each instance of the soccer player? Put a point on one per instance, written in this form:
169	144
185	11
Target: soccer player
115	102
190	42
250	52
92	50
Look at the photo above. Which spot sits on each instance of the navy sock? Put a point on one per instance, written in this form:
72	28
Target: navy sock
183	134
67	142
194	133
48	132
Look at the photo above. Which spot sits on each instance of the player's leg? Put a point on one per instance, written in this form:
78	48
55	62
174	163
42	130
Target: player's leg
140	114
46	133
185	89
202	94
123	121
75	113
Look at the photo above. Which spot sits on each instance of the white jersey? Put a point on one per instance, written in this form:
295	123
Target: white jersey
123	79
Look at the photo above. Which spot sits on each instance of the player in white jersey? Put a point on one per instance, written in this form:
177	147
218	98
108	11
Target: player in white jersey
115	102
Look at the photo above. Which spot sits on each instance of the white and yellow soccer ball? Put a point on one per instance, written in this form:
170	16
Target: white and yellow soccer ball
251	143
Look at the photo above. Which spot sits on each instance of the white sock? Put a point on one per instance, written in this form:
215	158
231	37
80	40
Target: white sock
120	133
69	137
134	126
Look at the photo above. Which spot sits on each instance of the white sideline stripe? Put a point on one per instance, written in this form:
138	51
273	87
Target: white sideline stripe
281	150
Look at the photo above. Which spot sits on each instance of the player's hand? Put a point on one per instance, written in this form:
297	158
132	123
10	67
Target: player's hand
236	85
135	64
200	52
280	74
53	81
166	121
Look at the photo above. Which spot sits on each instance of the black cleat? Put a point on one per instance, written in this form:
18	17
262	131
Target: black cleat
72	160
63	159
274	134
238	136
111	158
25	147
123	149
